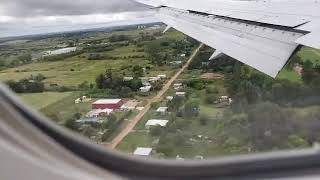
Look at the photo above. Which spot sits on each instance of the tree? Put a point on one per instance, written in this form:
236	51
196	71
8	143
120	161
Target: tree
191	109
110	121
71	124
100	81
153	50
176	103
138	71
25	58
269	126
204	119
156	131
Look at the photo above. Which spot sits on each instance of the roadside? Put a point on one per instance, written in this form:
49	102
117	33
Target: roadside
156	98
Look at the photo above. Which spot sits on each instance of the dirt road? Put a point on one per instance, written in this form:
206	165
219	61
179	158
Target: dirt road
156	98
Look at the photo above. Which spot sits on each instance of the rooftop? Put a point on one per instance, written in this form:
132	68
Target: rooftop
140	151
107	101
162	109
157	122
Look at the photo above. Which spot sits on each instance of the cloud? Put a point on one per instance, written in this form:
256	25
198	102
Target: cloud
22	17
27	8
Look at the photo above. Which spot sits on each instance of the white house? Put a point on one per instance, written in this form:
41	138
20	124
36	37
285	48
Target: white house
129	105
181	94
177	86
145	89
162	110
141	151
127	78
98	112
169	98
156	122
77	101
154	79
162	76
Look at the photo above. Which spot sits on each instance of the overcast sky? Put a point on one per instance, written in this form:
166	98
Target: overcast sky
21	17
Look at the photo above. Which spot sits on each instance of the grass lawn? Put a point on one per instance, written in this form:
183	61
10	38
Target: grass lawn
42	100
70	72
134	140
65	108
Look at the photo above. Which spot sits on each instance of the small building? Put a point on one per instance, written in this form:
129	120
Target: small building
182	55
140	108
88	120
95	113
146	83
169	98
181	94
176	62
127	78
77	101
145	89
162	76
162	110
177	86
107	104
129	105
142	152
156	122
154	79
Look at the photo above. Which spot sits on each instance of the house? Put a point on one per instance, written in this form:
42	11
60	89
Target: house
77	101
162	110
145	89
129	105
176	62
156	122
154	79
107	104
177	86
162	76
95	113
146	83
181	94
88	120
127	78
82	99
169	98
143	152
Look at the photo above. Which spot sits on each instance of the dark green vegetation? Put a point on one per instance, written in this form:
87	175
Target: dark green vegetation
265	114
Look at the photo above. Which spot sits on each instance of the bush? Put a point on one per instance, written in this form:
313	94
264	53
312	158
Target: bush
156	131
204	119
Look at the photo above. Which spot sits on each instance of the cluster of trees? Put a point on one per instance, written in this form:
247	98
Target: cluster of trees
115	82
163	51
119	38
7	62
64	56
33	84
98	56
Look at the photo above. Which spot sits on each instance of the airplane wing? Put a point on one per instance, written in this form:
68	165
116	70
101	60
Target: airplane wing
260	33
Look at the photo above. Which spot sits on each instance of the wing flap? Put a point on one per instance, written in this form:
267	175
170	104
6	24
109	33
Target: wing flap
264	54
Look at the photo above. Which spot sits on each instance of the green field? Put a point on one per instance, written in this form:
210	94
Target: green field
41	100
72	71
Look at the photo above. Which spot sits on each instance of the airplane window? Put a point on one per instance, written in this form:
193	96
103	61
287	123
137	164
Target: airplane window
136	90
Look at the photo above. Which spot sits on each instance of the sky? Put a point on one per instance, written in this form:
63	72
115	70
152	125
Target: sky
25	17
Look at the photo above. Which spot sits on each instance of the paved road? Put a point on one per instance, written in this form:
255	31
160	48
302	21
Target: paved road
156	98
